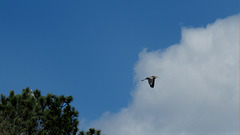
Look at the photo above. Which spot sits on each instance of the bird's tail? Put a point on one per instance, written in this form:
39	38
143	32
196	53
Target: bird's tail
143	79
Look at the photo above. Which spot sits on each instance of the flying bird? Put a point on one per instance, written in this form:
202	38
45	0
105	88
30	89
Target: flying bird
151	80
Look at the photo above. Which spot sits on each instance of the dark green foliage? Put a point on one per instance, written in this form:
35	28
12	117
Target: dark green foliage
28	114
91	131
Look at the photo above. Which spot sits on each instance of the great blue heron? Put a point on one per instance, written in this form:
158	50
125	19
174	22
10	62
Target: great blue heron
151	80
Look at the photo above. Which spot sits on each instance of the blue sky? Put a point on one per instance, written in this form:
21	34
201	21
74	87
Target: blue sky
88	49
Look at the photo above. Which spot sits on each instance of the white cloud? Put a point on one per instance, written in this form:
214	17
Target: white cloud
197	92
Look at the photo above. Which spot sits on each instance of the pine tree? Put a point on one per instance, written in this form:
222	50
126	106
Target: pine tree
91	131
32	114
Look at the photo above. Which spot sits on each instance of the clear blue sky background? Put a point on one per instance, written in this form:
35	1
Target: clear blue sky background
88	48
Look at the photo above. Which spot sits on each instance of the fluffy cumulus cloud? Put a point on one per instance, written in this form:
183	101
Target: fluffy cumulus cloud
197	92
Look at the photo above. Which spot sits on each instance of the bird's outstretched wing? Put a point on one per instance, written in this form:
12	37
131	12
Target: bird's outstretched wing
151	82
